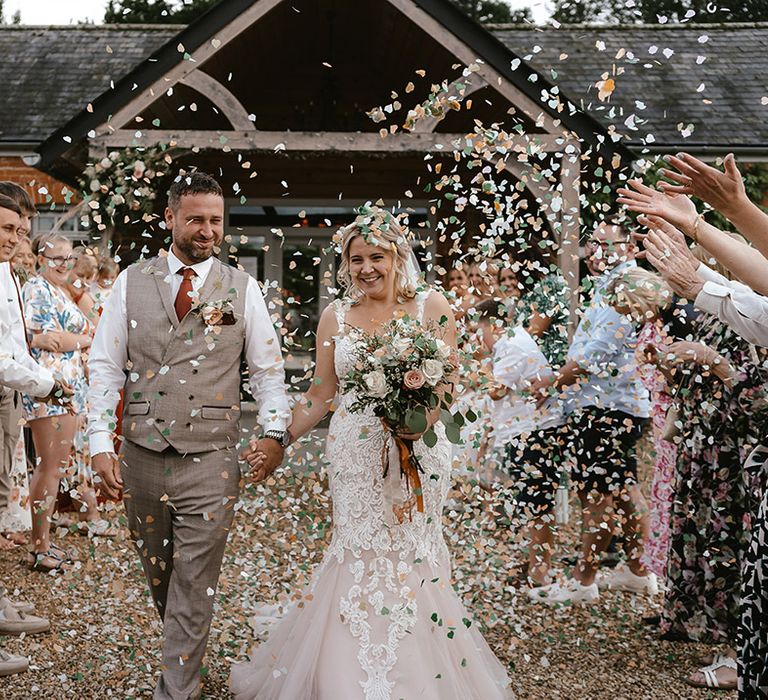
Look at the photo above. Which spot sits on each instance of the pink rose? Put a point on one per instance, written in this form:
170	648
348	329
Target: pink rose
414	379
212	316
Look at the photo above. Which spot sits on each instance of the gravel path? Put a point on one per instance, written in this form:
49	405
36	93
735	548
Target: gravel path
106	634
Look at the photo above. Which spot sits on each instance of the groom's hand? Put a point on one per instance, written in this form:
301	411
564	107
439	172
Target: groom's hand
264	456
107	477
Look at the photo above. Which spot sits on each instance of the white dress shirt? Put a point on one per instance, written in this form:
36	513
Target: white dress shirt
109	354
18	369
735	304
517	361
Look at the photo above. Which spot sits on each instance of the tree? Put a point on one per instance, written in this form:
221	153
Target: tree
650	11
156	11
493	11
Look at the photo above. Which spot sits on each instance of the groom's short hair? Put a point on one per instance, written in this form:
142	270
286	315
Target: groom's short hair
192	183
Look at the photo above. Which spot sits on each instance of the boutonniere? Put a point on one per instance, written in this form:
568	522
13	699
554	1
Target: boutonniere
215	314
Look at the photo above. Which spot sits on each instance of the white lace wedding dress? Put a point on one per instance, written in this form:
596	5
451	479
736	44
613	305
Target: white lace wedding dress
379	619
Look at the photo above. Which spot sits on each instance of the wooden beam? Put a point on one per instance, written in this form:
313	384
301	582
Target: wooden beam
470	84
184	67
570	228
224	100
465	54
333	141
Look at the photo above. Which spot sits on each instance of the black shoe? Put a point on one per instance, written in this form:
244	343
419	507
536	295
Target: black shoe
652	620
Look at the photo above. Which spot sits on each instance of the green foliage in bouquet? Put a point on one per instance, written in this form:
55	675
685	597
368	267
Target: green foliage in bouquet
402	373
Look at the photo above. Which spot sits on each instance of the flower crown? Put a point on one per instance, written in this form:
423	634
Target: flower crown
368	221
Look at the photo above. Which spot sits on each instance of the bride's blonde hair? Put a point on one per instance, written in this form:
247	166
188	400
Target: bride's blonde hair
381	228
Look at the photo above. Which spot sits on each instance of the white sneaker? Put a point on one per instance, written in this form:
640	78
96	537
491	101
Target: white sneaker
622	579
571	591
10	663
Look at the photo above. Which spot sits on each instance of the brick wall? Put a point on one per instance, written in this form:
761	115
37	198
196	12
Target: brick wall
44	189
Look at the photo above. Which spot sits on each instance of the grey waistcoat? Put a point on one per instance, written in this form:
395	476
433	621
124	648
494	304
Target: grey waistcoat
183	384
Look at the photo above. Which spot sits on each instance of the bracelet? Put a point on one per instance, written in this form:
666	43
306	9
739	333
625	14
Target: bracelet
695	232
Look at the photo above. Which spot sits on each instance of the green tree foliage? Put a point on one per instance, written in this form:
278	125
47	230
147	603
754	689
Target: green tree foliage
652	11
493	11
156	11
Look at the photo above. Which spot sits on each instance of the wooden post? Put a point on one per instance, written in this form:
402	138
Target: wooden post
570	224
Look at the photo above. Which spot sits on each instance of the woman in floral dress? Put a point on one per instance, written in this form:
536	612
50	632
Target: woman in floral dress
49	309
722	412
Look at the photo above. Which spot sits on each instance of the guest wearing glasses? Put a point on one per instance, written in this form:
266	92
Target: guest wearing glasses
50	309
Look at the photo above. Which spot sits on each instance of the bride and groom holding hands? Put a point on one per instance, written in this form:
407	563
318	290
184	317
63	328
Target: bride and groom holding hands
379	618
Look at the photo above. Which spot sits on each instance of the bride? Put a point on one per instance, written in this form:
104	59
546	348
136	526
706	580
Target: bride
379	619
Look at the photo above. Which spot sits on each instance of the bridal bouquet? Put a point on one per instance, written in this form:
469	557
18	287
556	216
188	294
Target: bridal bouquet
402	374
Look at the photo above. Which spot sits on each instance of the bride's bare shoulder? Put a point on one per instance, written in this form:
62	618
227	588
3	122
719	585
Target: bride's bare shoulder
328	325
436	306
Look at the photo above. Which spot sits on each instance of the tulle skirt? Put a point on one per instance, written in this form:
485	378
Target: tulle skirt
376	628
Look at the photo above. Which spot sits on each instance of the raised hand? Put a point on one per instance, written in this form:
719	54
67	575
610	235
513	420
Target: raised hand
684	351
668	252
678	209
107	477
722	190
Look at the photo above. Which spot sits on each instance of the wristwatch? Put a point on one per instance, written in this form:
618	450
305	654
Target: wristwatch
282	437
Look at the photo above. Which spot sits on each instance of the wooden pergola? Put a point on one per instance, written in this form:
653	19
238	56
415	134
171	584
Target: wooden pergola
284	86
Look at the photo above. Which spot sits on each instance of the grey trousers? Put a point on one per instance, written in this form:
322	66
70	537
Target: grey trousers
180	510
9	436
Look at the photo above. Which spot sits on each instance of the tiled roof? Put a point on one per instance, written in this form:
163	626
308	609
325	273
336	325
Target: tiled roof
667	77
49	74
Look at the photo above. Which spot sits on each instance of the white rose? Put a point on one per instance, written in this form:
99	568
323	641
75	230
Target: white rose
376	383
433	371
400	344
443	349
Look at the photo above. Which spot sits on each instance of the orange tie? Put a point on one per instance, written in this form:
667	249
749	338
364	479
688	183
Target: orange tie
183	301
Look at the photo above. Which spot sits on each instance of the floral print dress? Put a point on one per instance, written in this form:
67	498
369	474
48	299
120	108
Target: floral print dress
49	308
714	497
665	453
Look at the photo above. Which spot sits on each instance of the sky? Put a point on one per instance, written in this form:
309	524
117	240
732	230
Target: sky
70	11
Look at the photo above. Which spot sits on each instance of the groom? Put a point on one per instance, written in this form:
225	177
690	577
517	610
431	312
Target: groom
172	335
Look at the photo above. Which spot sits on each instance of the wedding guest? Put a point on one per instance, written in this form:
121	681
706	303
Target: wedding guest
643	296
481	275
49	308
107	274
744	311
530	434
23	260
608	407
18	373
14	517
506	283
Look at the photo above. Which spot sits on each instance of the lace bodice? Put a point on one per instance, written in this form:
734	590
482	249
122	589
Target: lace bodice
360	492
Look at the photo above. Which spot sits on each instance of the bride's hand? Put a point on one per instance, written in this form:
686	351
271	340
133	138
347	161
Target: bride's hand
405	435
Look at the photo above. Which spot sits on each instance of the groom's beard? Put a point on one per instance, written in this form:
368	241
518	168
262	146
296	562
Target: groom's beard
188	249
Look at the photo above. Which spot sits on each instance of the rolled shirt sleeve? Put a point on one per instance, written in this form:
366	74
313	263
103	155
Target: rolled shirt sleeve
265	362
106	366
18	369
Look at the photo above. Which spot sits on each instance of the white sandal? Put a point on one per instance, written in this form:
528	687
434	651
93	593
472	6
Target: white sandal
710	674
